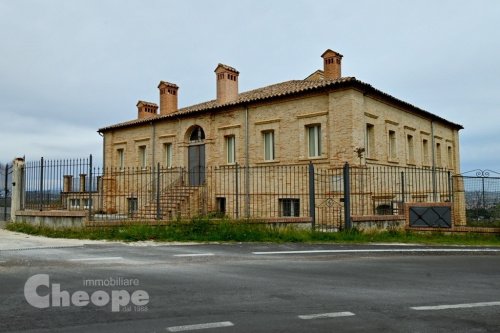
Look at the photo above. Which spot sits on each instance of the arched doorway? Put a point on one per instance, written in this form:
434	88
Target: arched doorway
196	156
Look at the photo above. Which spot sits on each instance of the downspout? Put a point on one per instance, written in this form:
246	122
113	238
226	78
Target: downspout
154	179
153	145
247	164
433	150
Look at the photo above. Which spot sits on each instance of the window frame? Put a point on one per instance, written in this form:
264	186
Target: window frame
314	146
292	211
168	154
230	148
269	145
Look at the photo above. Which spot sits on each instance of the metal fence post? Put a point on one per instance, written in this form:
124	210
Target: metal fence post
158	210
90	188
312	197
403	186
450	187
347	197
41	183
237	189
6	191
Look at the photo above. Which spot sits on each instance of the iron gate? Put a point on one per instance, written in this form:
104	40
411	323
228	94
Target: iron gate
482	196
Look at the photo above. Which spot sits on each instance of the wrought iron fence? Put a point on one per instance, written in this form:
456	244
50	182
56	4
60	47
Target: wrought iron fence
5	191
325	197
482	197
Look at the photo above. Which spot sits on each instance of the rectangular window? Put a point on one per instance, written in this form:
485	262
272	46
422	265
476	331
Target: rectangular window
142	157
169	155
450	157
438	155
425	151
133	205
392	145
314	140
230	149
268	145
411	151
289	207
121	158
370	140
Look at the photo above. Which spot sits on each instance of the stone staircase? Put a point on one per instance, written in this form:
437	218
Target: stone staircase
180	201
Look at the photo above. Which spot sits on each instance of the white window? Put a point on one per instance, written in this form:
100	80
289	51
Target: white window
268	145
142	157
314	140
289	207
230	149
370	140
169	155
121	158
392	145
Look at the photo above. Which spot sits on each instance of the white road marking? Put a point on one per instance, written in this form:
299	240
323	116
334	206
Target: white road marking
327	315
454	306
2	261
199	326
376	250
194	255
96	259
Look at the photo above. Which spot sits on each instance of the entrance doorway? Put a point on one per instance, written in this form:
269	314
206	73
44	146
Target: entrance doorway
196	157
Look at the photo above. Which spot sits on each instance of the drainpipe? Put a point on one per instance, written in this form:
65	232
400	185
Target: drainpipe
434	189
247	164
154	180
153	145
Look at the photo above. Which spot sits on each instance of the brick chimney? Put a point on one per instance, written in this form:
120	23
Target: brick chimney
168	97
332	65
227	83
146	110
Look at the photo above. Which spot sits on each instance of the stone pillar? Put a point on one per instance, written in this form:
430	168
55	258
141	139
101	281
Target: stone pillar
68	183
82	182
17	187
109	194
459	213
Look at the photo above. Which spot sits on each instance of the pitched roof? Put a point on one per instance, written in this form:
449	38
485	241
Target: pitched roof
279	90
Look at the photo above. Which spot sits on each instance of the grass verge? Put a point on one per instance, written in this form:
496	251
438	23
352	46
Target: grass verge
206	230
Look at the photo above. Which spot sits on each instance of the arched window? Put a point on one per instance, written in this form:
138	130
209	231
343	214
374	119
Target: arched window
197	134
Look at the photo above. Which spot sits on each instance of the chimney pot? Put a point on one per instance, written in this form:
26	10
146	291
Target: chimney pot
168	97
332	65
227	83
146	110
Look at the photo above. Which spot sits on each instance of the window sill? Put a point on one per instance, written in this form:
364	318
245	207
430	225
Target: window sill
316	158
268	162
393	161
371	159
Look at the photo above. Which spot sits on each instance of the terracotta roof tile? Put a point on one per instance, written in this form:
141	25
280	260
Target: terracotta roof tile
229	68
281	90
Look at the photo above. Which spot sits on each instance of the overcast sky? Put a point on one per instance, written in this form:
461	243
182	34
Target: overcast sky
68	68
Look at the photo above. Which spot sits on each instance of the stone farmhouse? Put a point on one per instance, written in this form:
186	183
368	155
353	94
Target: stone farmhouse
325	118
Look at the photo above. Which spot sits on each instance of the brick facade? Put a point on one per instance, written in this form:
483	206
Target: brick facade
325	119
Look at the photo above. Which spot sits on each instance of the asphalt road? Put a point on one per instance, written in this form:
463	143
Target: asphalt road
251	288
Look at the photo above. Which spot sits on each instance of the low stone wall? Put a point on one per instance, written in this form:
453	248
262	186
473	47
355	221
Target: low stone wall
378	222
52	218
